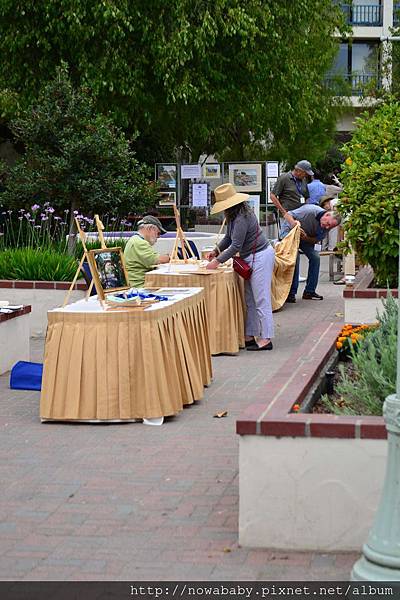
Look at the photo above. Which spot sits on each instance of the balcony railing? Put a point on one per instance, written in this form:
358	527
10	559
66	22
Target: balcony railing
353	84
368	15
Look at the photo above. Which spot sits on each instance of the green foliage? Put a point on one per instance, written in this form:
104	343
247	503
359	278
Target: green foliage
364	390
114	243
371	178
197	76
36	264
74	157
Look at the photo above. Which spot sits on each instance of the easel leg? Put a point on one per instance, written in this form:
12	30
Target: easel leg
74	280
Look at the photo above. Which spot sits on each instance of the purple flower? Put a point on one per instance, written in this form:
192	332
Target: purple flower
66	210
20	218
37	226
44	218
63	223
50	209
32	221
76	213
21	210
35	207
27	215
57	218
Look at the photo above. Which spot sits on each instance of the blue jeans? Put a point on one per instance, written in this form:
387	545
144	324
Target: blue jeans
313	269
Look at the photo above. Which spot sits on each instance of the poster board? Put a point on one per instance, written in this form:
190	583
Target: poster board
199	195
191	171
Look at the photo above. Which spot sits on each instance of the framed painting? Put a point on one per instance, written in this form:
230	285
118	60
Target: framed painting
254	203
108	270
246	177
167	198
166	175
212	171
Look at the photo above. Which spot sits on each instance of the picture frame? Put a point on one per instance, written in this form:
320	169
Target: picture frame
254	203
167	199
246	177
166	175
212	171
270	186
108	270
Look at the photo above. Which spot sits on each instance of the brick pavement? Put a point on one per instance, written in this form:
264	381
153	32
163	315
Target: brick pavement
132	502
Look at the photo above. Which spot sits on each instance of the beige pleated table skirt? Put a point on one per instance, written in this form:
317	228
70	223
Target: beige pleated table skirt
125	364
224	302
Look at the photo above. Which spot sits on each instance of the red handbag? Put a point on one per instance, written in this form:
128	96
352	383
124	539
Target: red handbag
241	267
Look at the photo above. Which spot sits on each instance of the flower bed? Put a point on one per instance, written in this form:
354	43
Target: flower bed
307	481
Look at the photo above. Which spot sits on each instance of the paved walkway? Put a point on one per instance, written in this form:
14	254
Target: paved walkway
134	502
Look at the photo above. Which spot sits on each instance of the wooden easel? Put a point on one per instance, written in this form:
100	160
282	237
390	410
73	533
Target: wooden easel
180	237
85	256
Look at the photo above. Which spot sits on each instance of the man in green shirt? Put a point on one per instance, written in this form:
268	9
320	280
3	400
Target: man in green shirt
139	253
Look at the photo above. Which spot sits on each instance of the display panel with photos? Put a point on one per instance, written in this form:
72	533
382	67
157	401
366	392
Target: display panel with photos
166	198
108	270
166	175
246	177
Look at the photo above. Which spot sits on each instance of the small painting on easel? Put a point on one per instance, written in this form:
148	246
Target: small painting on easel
108	269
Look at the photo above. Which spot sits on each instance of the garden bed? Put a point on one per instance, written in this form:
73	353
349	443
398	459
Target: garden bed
307	481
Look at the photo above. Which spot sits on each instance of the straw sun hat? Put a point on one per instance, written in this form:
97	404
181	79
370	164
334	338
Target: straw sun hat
225	197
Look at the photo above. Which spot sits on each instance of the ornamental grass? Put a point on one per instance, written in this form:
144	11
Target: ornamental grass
363	388
36	265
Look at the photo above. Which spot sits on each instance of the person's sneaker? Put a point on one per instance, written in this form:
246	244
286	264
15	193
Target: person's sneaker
312	296
291	299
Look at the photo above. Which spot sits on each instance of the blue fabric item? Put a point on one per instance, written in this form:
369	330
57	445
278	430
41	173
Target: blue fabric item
193	247
87	273
26	376
142	296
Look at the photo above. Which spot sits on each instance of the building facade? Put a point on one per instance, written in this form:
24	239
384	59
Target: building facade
363	61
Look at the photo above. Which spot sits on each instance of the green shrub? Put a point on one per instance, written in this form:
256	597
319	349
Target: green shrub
36	264
111	243
373	377
371	179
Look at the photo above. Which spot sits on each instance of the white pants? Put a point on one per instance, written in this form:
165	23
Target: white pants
259	321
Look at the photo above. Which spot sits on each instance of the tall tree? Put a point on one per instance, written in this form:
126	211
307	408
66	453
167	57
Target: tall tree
75	159
197	75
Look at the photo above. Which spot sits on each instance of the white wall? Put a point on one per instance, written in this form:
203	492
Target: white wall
14	342
362	310
308	493
41	301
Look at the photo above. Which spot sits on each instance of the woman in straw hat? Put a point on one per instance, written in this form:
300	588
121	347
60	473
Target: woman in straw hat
245	236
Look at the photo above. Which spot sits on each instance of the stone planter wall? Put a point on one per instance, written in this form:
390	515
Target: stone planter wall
362	302
14	338
307	481
42	296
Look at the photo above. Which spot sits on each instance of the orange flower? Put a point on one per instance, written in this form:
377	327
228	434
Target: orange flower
341	339
296	407
338	345
348	161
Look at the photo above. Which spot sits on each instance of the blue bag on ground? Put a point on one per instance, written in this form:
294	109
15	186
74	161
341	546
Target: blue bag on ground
26	376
